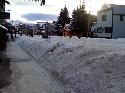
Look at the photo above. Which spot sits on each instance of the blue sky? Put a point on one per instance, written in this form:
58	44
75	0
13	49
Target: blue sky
25	11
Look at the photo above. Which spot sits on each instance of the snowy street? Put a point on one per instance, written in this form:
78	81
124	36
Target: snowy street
64	65
62	46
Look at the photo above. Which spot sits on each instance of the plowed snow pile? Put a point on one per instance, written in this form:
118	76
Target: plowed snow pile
82	65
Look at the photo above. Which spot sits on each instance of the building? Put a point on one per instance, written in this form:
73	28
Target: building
49	28
40	23
110	22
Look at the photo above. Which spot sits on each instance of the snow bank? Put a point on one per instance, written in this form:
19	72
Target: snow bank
86	65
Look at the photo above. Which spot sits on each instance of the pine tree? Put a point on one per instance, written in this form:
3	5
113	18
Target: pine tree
63	19
2	3
93	18
42	1
79	22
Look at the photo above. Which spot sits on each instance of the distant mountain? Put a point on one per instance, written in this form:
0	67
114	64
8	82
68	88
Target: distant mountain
39	16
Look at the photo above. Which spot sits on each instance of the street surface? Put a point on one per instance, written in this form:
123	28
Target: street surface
27	75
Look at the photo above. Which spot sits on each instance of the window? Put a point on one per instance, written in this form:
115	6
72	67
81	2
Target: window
121	17
98	30
94	30
104	17
108	29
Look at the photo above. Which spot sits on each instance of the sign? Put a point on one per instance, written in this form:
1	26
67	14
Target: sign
4	15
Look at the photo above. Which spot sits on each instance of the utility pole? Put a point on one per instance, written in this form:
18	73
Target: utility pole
47	27
88	23
80	2
65	2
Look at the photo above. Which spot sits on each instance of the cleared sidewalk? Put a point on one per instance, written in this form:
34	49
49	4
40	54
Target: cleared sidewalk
27	75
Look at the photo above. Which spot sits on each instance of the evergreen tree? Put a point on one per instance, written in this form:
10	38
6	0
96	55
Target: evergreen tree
42	1
79	22
63	19
92	18
2	3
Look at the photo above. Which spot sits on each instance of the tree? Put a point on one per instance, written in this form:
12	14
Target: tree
63	19
2	4
42	1
93	18
79	22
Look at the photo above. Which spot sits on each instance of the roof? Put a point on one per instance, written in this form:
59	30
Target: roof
117	9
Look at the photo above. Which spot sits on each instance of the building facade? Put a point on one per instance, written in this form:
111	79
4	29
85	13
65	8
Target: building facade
49	28
110	22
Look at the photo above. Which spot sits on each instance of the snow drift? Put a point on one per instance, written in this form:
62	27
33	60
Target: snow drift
81	65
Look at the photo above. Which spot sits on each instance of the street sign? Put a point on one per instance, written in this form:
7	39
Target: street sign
4	15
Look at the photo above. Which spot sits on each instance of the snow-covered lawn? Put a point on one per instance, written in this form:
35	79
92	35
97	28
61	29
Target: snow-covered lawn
86	65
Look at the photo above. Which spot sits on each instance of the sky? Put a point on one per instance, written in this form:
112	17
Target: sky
29	11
